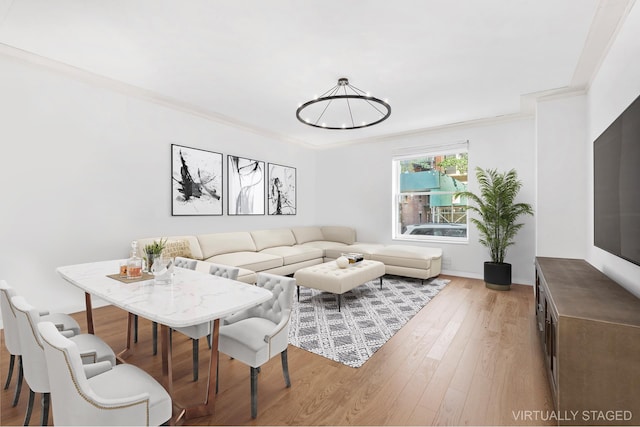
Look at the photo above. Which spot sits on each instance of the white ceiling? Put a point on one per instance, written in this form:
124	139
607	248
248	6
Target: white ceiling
252	62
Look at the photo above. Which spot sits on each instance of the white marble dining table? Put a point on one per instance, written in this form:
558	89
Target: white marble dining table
192	298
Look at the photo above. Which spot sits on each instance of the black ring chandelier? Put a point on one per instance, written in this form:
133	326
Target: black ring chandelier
359	109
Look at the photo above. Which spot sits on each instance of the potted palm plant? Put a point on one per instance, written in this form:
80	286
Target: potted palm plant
497	225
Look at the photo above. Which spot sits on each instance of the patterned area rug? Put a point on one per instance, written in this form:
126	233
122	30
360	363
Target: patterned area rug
369	317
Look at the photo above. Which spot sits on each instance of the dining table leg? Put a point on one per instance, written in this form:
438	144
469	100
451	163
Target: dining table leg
207	407
89	312
167	356
128	350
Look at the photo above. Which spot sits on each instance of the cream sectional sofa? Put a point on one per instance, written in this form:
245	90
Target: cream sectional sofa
286	250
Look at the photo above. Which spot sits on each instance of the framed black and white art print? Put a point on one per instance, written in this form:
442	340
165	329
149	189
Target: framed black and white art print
196	181
281	193
245	181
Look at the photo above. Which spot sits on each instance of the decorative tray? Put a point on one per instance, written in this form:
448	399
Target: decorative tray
145	276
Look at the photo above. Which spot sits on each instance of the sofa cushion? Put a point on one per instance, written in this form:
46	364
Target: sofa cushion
307	234
264	239
194	245
365	249
247	276
295	254
244	275
346	235
177	248
256	261
222	243
324	245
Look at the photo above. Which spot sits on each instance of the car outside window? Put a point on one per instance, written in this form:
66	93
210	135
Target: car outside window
425	206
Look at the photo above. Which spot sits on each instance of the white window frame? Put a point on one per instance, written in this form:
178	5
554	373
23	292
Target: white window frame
397	195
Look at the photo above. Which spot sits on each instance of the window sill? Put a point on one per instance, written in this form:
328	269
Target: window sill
431	240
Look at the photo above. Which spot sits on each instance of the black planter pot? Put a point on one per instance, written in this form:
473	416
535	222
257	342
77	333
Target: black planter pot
497	276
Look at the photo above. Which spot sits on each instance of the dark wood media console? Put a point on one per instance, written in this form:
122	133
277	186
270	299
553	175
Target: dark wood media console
590	331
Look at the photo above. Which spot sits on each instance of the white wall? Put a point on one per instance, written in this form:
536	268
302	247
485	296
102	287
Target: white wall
561	194
356	188
86	170
614	88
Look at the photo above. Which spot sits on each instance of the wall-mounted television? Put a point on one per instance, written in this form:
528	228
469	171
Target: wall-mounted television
616	158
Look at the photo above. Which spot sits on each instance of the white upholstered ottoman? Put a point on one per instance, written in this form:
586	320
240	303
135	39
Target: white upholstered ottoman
331	278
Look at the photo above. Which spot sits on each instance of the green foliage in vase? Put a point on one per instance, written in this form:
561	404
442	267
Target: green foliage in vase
497	210
156	247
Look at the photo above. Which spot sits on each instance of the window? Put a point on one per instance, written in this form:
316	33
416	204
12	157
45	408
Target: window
425	206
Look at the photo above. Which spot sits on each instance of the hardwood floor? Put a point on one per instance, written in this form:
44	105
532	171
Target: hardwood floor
470	357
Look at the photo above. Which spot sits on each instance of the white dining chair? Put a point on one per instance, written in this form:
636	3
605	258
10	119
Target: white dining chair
11	336
226	271
255	335
185	263
195	332
92	349
99	394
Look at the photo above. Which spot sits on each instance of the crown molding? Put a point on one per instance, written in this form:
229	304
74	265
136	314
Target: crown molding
529	102
487	121
132	91
608	20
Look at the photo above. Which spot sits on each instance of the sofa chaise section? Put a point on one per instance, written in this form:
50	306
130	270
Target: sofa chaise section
403	260
409	261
